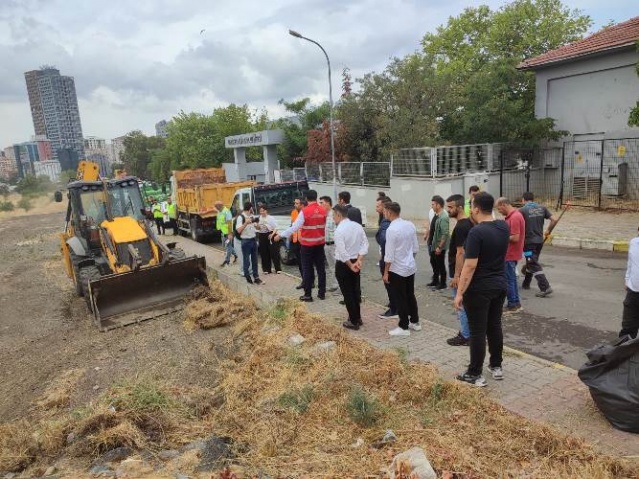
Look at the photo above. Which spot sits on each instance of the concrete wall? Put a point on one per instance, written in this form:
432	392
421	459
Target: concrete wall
413	194
592	96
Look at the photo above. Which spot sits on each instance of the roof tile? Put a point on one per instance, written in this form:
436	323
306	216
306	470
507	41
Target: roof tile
620	35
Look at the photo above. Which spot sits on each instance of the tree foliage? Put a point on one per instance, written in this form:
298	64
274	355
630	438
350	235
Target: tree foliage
138	149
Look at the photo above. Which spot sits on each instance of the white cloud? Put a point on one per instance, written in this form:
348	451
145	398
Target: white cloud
137	62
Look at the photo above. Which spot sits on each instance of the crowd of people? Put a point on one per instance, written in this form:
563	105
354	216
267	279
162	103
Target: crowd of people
477	259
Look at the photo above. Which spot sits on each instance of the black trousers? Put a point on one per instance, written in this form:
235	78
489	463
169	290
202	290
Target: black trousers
173	224
533	268
403	288
313	258
392	304
297	252
269	253
440	267
159	222
348	283
484	310
630	318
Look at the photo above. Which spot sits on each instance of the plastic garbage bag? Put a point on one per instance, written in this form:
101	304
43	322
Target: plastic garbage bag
612	375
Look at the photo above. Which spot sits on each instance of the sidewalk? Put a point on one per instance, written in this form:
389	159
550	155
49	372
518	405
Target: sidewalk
532	387
587	228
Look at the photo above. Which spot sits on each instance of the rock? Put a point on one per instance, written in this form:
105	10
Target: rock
389	436
296	340
412	463
214	454
358	443
324	347
50	471
71	437
132	468
96	387
100	470
168	454
270	328
115	455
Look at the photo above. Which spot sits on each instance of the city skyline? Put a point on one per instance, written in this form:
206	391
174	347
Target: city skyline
139	65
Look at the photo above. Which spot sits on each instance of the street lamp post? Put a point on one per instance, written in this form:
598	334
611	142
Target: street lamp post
330	104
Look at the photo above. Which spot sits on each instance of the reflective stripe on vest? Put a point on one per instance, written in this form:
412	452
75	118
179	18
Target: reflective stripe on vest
312	232
220	222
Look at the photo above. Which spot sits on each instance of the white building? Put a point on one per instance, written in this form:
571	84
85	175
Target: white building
51	169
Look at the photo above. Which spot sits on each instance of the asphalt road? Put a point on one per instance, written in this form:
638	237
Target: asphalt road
584	311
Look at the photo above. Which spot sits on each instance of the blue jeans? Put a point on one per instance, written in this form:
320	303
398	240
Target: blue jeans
512	292
464	329
229	248
249	256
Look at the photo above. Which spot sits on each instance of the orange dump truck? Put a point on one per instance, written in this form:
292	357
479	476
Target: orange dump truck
195	193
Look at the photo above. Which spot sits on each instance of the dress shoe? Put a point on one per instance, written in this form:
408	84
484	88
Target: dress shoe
249	280
306	299
321	296
300	286
349	325
441	286
432	283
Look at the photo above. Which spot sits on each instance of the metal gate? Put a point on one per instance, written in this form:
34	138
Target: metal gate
582	173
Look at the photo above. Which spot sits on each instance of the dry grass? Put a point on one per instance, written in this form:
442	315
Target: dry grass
215	307
58	393
300	412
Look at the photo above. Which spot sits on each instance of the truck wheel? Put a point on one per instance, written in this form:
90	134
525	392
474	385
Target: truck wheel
76	274
88	273
194	235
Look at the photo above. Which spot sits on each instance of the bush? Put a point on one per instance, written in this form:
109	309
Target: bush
32	185
297	399
363	408
25	203
6	206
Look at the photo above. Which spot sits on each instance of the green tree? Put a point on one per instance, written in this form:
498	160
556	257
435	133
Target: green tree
196	140
138	148
478	52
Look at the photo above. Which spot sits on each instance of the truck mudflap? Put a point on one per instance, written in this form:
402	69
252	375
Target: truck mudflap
121	299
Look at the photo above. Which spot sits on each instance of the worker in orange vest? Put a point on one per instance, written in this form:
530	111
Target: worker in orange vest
294	239
311	225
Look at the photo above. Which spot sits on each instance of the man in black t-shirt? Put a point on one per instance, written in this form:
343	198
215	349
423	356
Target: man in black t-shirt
482	289
535	216
455	208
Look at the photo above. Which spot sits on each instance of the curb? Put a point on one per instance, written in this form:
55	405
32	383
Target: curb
591	244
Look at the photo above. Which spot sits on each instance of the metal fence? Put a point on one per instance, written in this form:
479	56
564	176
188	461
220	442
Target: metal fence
602	174
347	173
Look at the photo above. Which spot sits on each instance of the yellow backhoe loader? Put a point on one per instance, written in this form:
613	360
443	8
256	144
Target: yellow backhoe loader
116	261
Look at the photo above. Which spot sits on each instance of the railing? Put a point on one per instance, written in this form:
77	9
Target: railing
348	173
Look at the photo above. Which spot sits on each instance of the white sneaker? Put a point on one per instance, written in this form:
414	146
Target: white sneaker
399	332
415	326
497	373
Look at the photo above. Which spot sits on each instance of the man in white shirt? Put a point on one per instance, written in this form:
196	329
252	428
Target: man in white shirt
630	319
351	245
400	268
245	227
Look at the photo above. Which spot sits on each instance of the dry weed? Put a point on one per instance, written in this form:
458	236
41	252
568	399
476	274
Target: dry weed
215	307
17	446
58	393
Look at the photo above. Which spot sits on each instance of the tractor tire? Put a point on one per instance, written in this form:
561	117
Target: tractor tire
88	273
75	260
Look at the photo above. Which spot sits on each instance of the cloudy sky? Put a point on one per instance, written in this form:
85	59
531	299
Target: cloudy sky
136	62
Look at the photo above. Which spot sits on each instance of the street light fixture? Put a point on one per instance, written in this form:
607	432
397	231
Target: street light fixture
330	104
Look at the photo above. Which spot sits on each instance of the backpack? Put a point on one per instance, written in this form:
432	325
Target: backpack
235	233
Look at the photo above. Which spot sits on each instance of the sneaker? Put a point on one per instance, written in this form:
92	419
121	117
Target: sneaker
388	315
399	332
477	381
349	325
258	281
544	294
513	309
458	340
415	326
497	372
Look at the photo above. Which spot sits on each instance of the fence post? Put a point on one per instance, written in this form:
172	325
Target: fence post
601	173
501	173
562	175
361	173
391	164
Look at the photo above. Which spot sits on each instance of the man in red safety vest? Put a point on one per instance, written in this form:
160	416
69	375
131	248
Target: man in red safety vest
311	224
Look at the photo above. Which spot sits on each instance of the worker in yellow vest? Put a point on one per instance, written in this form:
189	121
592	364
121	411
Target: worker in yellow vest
171	209
222	224
158	216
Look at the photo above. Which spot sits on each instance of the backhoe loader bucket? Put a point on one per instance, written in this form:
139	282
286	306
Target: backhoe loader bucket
128	298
